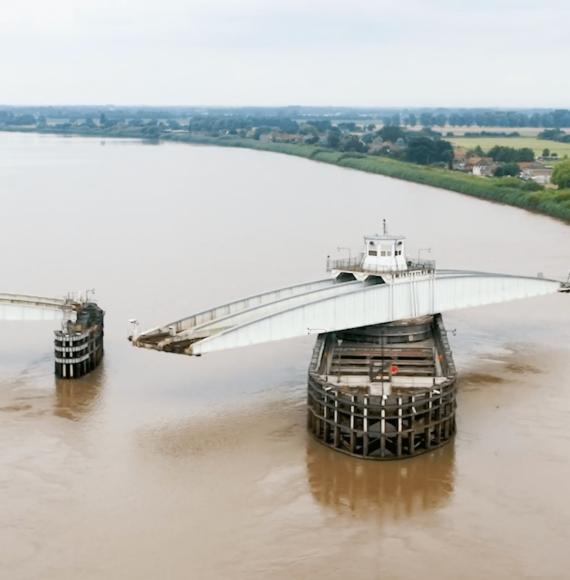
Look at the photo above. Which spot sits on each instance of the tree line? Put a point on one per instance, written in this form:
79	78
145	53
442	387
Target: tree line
426	117
554	135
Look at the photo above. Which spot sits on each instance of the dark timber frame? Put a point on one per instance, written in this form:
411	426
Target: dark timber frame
403	422
79	345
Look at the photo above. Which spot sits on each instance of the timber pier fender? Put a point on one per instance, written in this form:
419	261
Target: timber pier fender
381	382
79	344
384	391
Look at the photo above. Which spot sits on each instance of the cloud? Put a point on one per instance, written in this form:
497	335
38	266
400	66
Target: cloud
285	51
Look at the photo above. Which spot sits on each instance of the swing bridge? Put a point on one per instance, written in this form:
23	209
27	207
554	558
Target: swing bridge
354	296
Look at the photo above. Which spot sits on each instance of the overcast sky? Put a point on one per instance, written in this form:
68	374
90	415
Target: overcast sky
277	52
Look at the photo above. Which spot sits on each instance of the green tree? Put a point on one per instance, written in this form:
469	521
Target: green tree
440	120
391	133
421	150
551	134
23	120
561	175
353	143
321	124
426	119
424	150
510	154
546	152
333	139
444	152
507	169
525	154
347	126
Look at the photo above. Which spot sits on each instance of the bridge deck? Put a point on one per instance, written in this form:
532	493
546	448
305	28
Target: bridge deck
327	305
24	307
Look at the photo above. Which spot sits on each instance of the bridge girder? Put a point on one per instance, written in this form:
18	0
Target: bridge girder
24	307
327	307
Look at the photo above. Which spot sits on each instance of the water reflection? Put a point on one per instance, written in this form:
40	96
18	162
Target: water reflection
75	399
392	489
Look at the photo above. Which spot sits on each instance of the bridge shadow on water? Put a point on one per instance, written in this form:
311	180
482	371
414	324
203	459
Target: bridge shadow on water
380	489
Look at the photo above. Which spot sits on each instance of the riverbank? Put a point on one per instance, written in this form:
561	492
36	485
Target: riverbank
550	202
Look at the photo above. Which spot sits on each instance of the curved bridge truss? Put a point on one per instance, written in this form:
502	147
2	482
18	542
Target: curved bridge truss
330	305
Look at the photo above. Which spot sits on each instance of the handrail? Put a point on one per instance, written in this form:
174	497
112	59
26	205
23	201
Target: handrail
39	302
356	264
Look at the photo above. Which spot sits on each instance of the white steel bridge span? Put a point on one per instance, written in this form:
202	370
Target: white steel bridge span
332	304
25	307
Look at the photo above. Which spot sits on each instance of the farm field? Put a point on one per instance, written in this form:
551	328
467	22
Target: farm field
537	145
459	131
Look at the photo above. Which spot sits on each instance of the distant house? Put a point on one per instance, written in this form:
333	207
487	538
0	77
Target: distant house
276	136
459	159
282	137
481	166
378	146
536	171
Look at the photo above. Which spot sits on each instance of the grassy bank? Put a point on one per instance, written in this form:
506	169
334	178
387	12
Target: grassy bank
549	202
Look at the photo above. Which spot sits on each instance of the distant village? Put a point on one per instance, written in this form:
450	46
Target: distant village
468	161
395	141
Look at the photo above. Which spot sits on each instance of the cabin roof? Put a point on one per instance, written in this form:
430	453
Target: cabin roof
385	237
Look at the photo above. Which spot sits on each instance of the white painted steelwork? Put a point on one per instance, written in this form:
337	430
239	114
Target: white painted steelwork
237	307
22	307
327	306
384	253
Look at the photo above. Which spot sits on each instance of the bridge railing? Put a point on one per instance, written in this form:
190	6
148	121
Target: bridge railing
39	302
355	264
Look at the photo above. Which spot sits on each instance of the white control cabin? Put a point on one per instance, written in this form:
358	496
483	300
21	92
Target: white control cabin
384	253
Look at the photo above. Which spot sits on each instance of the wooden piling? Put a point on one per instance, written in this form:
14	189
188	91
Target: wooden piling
79	345
397	422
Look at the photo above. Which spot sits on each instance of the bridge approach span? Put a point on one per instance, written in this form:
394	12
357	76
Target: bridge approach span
23	307
329	305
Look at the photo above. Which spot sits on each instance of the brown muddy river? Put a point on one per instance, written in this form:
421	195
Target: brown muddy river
163	466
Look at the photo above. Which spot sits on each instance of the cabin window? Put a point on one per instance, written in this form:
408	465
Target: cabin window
383	253
372	253
389	253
